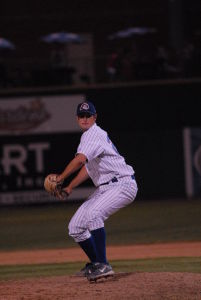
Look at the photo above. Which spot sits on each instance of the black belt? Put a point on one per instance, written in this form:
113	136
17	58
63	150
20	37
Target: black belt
114	179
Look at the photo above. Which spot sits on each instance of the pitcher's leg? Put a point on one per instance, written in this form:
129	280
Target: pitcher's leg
87	225
110	200
99	237
80	233
79	224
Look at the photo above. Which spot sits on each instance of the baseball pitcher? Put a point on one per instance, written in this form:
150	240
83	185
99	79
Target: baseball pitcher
116	187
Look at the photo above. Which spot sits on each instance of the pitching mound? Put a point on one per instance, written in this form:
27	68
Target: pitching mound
122	286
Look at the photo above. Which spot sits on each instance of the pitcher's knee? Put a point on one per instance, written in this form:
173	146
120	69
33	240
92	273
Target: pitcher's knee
78	233
73	229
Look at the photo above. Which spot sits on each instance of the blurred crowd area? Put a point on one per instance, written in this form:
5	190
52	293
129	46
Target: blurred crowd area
123	62
156	62
172	51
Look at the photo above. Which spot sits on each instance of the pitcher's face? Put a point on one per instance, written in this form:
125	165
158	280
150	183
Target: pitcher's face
86	120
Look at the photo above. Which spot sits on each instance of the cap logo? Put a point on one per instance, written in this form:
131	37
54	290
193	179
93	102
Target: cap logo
84	106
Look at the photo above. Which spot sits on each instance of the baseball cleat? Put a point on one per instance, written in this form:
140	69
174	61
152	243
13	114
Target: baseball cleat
83	272
99	270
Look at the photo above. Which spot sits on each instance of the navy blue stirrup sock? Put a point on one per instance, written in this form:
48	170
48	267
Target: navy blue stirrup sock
89	248
99	238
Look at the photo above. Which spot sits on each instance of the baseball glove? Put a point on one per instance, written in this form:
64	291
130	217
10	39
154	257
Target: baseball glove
54	188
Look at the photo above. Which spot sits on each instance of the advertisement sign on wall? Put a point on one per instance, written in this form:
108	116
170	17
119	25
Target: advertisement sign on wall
38	135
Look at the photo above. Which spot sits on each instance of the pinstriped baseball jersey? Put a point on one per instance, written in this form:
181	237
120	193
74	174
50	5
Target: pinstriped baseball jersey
103	160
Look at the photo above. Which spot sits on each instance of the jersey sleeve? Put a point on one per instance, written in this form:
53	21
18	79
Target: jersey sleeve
90	146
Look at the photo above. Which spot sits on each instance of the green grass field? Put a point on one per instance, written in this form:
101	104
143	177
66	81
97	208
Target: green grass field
175	264
41	227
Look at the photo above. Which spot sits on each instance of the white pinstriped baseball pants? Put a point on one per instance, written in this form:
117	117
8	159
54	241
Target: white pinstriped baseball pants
105	201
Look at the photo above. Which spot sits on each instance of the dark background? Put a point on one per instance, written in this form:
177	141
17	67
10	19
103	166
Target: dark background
145	120
146	124
24	22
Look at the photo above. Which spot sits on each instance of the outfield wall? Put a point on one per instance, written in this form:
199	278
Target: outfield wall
39	135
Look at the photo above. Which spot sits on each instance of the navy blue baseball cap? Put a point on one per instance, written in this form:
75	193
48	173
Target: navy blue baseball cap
86	107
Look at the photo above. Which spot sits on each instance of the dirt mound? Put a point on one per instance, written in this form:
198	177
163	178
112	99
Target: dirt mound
128	286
